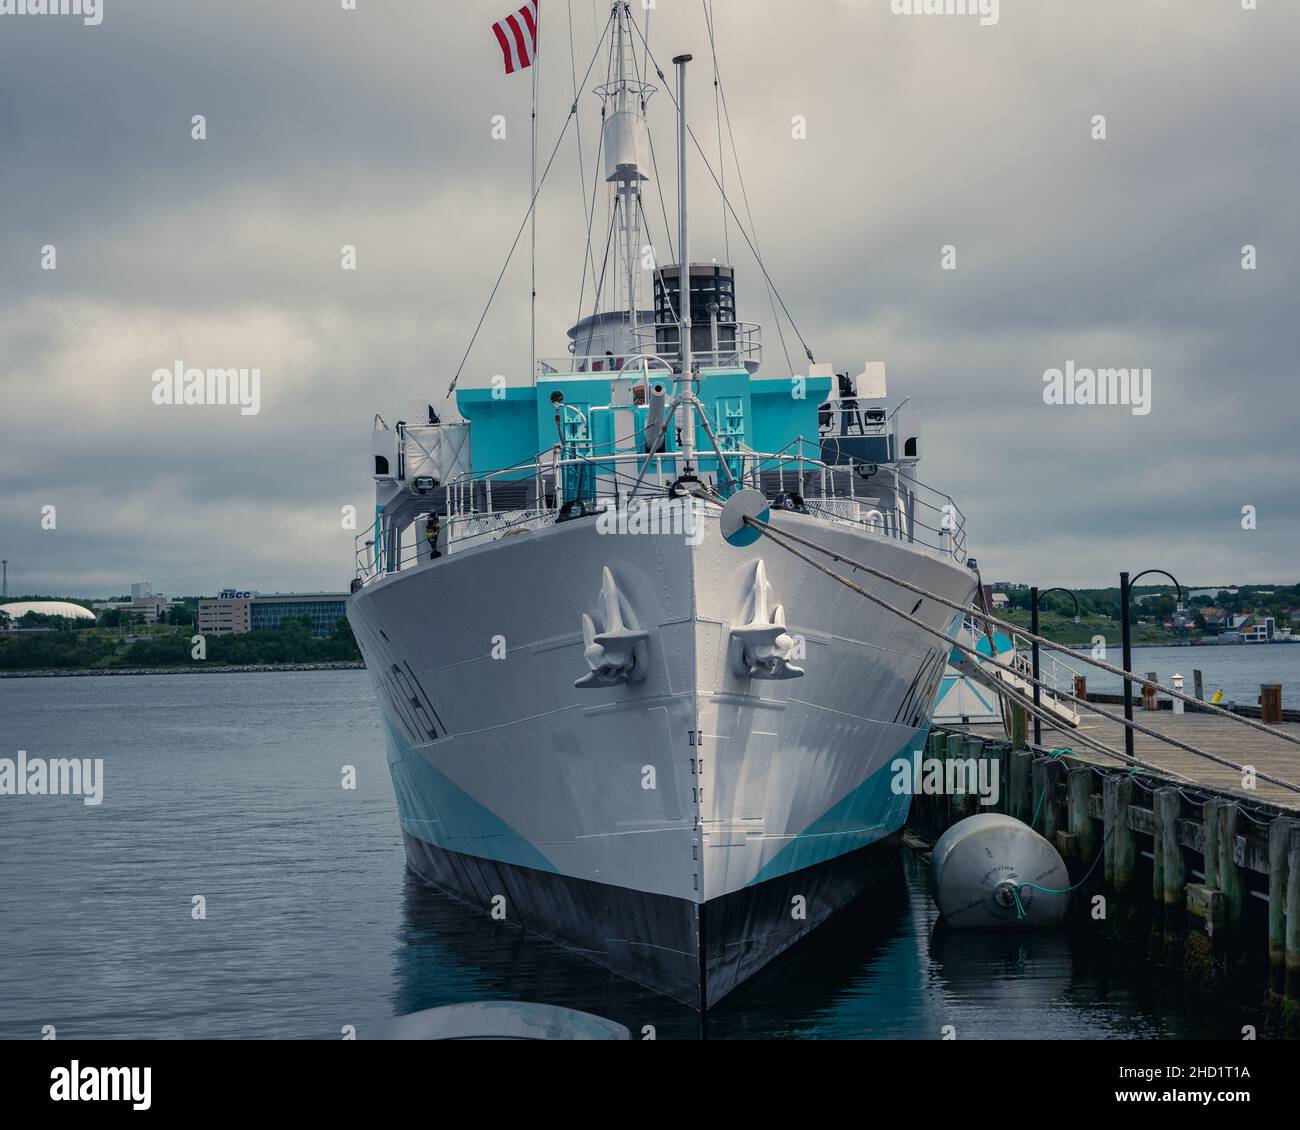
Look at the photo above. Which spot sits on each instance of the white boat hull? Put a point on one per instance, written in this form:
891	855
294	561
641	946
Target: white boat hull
682	829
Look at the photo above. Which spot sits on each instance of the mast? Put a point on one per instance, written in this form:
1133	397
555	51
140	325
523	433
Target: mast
685	379
626	160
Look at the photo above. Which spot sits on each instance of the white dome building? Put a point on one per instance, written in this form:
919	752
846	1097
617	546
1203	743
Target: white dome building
19	608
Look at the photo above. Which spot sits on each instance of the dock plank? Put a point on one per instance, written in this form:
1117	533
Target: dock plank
1210	732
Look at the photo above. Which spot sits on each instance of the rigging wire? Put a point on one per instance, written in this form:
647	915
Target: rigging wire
573	113
654	163
744	192
591	223
1151	684
582	164
717	123
727	200
658	270
591	329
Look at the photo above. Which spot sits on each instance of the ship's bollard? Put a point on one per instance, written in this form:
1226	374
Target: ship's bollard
1176	681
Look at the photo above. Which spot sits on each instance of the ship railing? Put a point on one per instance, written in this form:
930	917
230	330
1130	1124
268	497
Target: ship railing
714	345
734	345
1053	670
1057	674
474	509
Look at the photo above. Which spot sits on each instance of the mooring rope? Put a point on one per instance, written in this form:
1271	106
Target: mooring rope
1151	684
776	536
1016	696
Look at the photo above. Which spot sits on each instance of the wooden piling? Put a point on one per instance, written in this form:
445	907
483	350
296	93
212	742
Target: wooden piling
1270	703
1019	726
1291	980
1003	753
1149	701
1125	852
1081	687
951	802
1230	883
1021	760
1109	815
1210	833
989	755
1198	685
1280	833
1081	830
973	752
1156	948
1044	800
1168	807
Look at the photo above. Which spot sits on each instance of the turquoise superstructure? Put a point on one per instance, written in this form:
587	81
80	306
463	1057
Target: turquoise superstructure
511	425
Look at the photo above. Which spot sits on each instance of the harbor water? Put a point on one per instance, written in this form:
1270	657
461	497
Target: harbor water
229	885
1235	669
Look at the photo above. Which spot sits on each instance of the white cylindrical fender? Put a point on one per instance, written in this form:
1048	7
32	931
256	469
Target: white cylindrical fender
983	865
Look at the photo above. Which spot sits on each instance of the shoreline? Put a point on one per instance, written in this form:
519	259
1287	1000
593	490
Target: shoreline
81	672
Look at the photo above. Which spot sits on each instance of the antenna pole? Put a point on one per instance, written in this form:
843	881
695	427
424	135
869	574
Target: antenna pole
686	378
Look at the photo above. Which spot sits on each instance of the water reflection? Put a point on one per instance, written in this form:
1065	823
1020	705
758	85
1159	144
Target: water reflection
883	968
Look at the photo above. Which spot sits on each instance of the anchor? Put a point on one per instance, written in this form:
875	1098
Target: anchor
616	654
764	646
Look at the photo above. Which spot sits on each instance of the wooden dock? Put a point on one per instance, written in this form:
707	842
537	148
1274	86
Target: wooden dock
1210	732
1186	857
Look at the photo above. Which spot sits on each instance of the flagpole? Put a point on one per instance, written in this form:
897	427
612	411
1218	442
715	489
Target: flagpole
532	329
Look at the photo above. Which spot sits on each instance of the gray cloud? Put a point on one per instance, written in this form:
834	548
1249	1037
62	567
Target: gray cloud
371	128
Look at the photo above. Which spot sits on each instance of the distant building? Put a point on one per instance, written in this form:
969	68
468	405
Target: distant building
17	609
1212	618
1254	628
1001	600
144	603
234	611
228	612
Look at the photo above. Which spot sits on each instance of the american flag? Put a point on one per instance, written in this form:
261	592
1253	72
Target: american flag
517	35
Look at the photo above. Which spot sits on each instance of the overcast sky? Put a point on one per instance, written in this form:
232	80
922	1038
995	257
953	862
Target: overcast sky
374	128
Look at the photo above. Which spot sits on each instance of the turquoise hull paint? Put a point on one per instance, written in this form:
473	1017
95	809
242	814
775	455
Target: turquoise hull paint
433	809
868	813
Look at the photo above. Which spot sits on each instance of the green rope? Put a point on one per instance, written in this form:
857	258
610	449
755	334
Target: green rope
1043	796
1074	887
1020	907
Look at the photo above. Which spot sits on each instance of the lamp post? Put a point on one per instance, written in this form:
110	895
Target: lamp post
1034	594
1125	590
